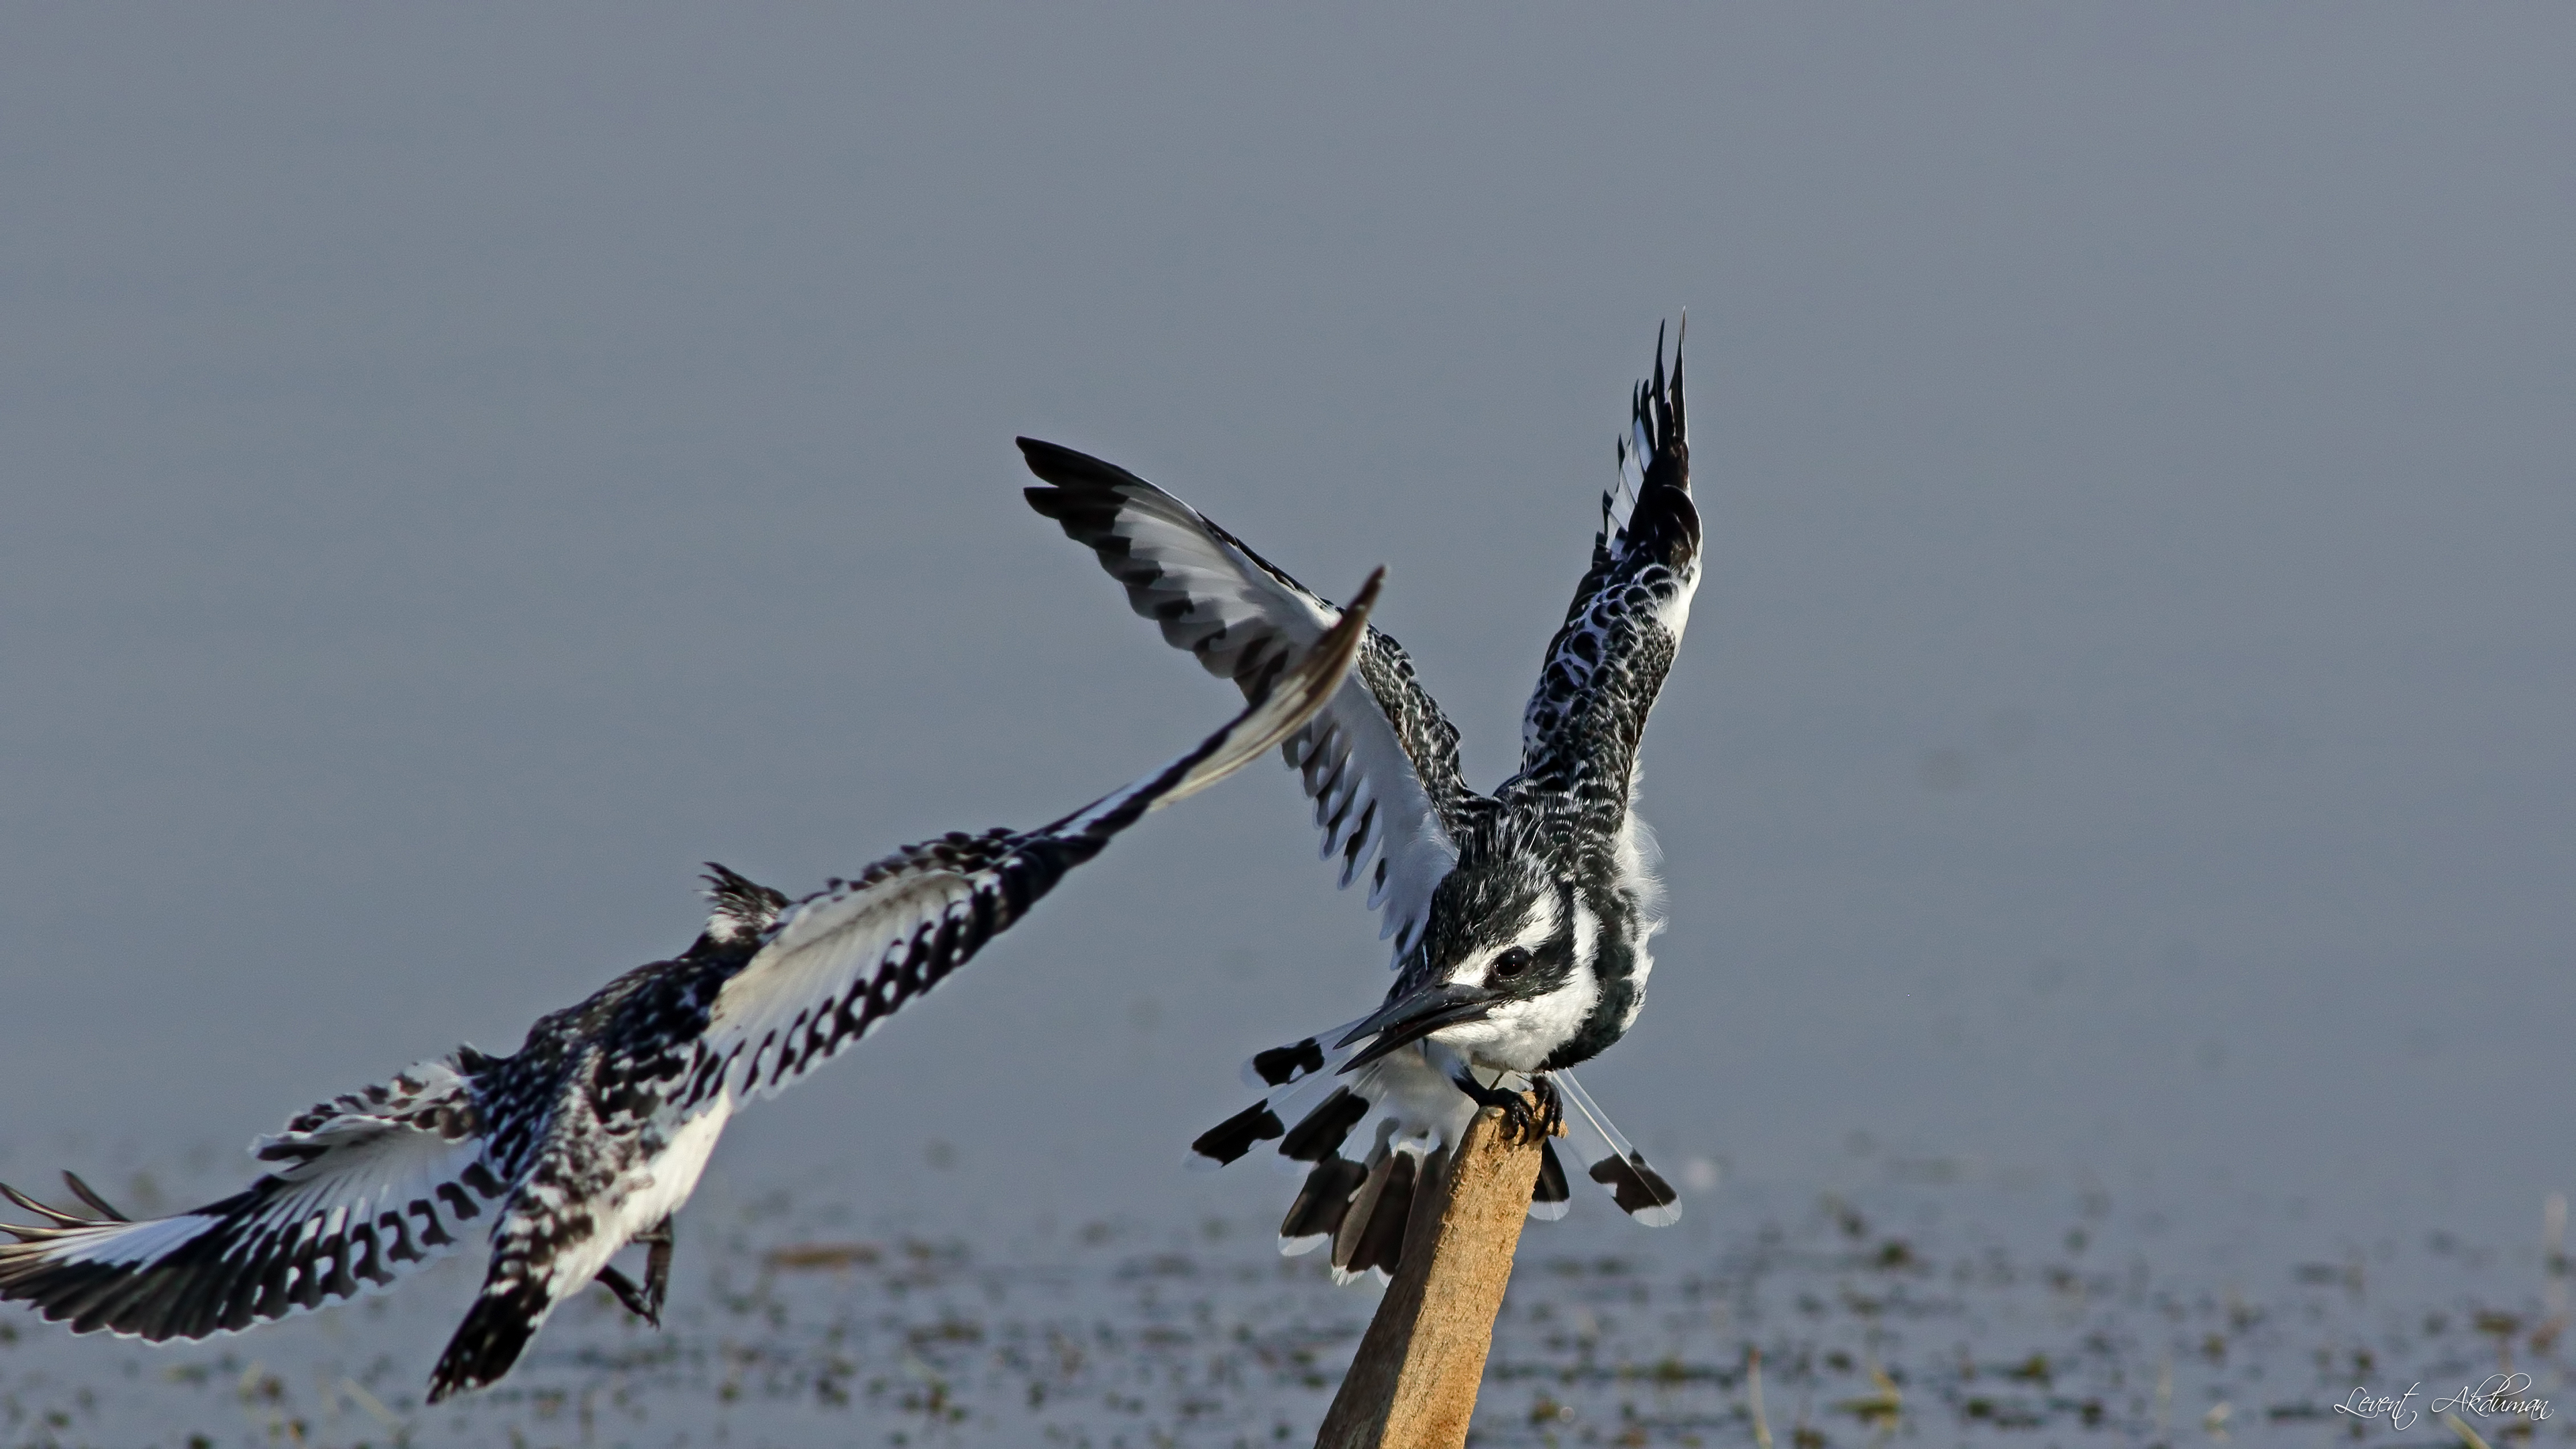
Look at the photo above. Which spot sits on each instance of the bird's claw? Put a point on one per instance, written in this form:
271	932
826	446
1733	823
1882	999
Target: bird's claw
633	1297
1551	1107
645	1302
1523	1121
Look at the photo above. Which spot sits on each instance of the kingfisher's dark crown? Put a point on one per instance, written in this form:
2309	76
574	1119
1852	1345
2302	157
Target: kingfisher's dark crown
1505	873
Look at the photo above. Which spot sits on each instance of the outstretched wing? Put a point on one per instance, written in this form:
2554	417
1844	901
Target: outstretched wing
369	1188
839	962
1605	666
1380	761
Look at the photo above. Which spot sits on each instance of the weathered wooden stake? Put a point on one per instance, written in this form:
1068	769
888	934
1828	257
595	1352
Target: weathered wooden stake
1413	1385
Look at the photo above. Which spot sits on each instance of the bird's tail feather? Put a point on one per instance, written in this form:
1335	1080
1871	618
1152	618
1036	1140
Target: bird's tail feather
1363	1142
1357	1208
495	1332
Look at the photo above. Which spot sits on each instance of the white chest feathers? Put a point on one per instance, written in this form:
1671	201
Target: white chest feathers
649	1191
672	1174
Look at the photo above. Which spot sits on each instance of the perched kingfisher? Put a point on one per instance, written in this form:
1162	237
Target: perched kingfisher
1520	919
593	1133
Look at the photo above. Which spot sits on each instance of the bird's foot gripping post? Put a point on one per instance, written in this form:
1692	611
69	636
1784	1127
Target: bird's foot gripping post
1413	1384
1526	1117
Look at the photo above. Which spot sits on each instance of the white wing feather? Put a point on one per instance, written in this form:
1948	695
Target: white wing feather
1379	761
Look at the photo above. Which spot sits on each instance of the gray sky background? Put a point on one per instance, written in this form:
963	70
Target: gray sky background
460	468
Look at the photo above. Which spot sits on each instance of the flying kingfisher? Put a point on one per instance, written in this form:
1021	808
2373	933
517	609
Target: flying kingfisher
593	1133
1520	919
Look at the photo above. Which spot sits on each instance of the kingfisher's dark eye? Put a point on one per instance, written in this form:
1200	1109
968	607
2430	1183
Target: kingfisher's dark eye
1512	962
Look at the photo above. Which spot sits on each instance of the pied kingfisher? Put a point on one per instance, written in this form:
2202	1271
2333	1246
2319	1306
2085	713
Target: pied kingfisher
594	1132
1520	919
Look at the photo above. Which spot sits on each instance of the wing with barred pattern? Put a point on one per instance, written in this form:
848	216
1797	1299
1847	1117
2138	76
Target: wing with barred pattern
367	1189
842	960
1380	761
1605	666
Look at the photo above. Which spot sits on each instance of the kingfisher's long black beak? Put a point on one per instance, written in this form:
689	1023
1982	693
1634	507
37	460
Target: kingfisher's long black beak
1417	1016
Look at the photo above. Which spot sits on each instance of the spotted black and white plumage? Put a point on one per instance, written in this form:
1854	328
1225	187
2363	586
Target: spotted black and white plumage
1520	919
593	1133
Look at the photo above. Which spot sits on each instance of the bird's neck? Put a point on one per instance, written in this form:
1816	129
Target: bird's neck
1620	965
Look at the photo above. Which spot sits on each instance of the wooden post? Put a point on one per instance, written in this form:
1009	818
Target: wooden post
1413	1385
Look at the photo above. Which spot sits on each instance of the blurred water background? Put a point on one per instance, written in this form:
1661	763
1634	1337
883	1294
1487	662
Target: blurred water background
464	467
1916	1301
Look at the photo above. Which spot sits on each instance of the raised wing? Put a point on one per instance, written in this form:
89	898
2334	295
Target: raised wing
1606	665
368	1188
839	962
1379	761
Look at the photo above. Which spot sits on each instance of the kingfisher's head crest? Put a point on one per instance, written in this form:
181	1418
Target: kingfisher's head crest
738	908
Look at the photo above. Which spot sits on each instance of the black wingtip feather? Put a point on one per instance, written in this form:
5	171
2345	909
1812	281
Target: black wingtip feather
1069	468
1233	1137
1661	411
1320	1133
1634	1185
1284	1064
